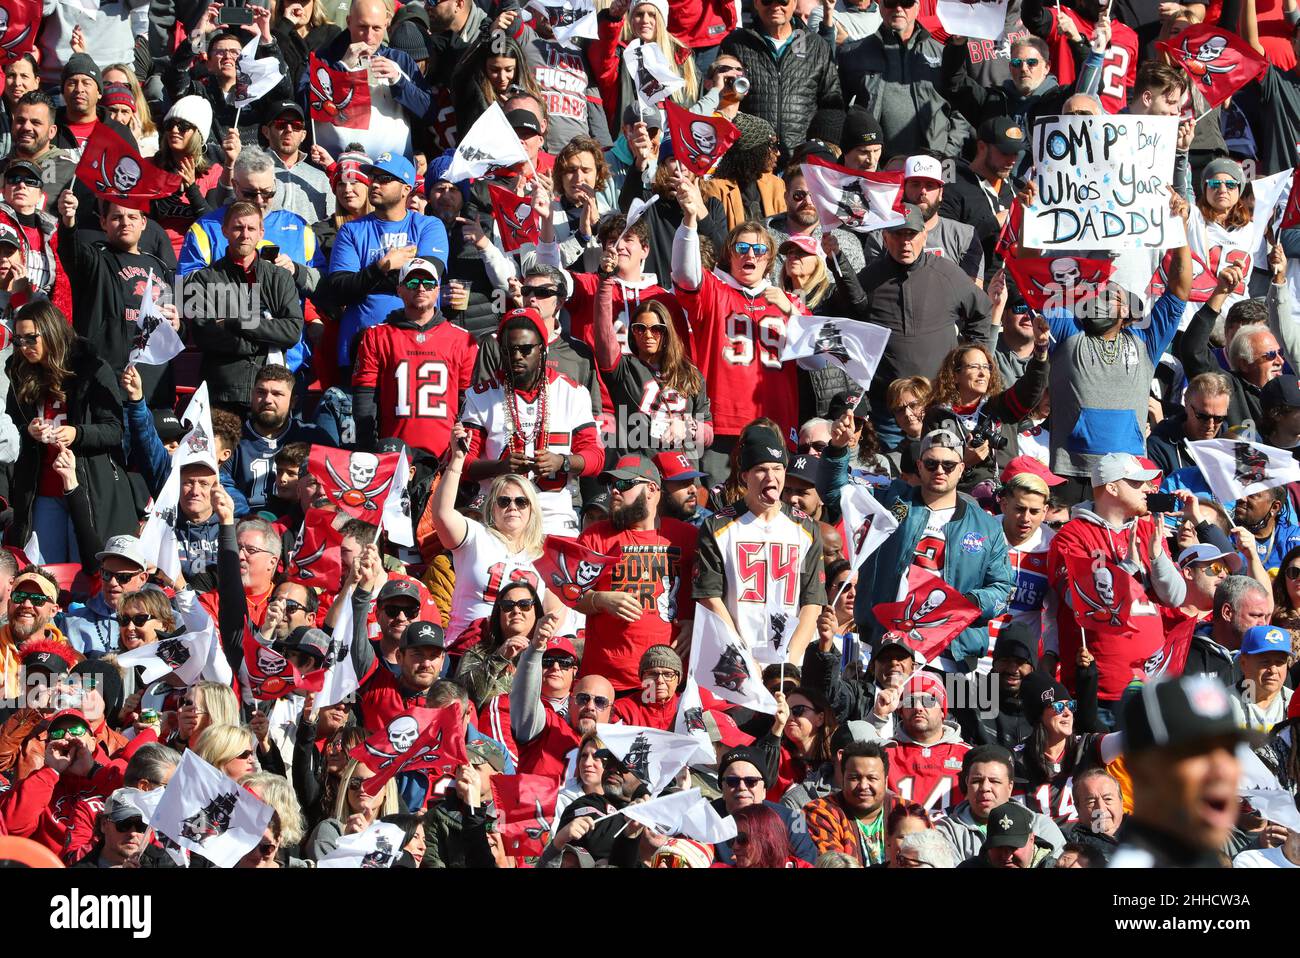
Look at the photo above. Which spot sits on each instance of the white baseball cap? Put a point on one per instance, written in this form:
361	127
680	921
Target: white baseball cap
1115	466
923	168
429	266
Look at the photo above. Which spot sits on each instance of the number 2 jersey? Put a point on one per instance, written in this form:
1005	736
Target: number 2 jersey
1118	66
737	337
417	375
763	570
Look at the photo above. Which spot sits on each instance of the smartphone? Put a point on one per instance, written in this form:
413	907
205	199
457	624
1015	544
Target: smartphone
1162	502
234	16
270	252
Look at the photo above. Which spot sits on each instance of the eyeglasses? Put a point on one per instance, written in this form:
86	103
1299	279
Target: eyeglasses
645	329
133	825
393	610
583	699
509	605
976	367
947	465
799	195
1220	184
660	675
59	734
253	550
121	578
415	283
626	485
249	194
519	502
558	662
138	620
735	781
914	407
295	125
540	292
37	599
1025	61
183	125
1061	707
758	249
21	179
1293	573
523	349
26	340
230	53
1205	416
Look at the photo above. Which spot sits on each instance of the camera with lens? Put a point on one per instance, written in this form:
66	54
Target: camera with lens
989	431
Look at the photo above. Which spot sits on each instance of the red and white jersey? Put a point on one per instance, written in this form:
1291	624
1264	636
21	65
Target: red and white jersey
1118	66
737	337
418	376
483	564
929	775
1029	601
569	428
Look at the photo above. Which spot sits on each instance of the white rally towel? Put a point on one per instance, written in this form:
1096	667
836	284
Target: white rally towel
185	656
651	73
396	517
490	143
690	721
576	20
722	663
255	78
866	521
1235	468
977	19
821	341
203	810
654	755
157	343
686	813
341	679
379	846
853	199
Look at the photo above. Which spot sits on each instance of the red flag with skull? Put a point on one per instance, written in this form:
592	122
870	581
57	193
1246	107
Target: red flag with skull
316	562
699	141
272	676
1062	280
1203	279
19	21
338	97
356	482
1218	61
419	740
570	569
525	806
516	217
1103	594
113	170
931	615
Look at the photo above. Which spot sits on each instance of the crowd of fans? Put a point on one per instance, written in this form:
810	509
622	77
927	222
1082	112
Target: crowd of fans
620	380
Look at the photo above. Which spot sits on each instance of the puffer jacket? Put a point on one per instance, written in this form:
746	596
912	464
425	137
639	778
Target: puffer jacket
796	93
899	83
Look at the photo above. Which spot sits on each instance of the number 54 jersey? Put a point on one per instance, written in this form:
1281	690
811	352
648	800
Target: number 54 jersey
764	571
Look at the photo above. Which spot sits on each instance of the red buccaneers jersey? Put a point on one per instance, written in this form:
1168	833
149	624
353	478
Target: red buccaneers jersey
736	341
1118	67
927	774
418	376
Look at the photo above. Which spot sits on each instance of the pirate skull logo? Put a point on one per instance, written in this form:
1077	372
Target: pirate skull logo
851	205
121	179
915	617
1065	271
270	662
402	733
542	826
15	41
355	491
731	672
322	95
1103	608
1204	63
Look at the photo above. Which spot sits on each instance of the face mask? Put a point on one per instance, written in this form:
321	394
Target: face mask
1094	324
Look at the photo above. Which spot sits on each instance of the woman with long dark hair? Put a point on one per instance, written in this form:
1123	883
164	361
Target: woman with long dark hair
488	667
485	75
63	396
805	744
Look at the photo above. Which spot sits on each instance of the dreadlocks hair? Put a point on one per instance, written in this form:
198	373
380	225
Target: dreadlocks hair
520	322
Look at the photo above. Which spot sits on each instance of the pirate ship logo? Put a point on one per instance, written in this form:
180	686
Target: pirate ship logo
211	820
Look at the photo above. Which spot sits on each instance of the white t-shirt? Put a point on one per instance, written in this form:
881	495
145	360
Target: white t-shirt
483	564
1263	858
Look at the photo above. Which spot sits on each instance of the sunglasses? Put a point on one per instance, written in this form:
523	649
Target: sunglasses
922	700
519	502
295	125
356	784
1293	573
37	599
799	195
904	4
933	465
626	485
291	607
1060	708
426	284
1025	61
382	179
758	249
1269	356
1216	568
1205	416
523	349
798	711
183	125
26	340
250	194
583	699
558	662
59	734
134	825
644	329
138	620
393	610
121	578
19	179
509	605
818	446
268	848
540	292
1219	184
735	781
246	754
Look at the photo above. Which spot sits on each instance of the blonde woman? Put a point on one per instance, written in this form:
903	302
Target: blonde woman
354	810
276	791
299	27
142	124
230	749
804	275
623	22
489	554
203	706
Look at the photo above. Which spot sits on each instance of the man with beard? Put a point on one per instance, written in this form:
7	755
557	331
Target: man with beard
800	219
636	601
852	820
1031	90
33	603
949	238
270	425
681	497
665	216
1000	721
982	192
34	130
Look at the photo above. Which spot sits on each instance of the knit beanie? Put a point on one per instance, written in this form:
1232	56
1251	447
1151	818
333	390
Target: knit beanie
193	109
660	657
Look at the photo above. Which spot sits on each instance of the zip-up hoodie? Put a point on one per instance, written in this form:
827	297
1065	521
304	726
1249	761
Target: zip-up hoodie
967	836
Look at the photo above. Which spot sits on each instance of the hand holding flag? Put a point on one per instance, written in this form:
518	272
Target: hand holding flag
930	616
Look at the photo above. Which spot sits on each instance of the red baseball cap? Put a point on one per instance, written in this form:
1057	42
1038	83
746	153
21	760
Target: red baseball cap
728	732
68	713
524	312
806	244
561	643
1033	466
677	466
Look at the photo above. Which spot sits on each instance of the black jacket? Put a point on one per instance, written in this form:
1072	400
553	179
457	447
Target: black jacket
1163	849
797	93
1167	444
979	103
235	333
1007	726
295	50
1246	403
94	406
663	218
966	201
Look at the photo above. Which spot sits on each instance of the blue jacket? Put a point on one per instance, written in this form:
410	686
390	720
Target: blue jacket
974	563
412	94
92	628
150	458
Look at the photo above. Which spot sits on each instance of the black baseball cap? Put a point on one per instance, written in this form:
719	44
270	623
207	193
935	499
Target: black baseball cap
1281	391
9	237
1010	825
398	589
423	634
1181	713
805	467
165	423
1004	133
1016	640
524	120
279	108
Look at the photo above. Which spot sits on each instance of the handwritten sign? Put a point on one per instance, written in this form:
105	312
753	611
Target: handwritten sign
973	19
1103	184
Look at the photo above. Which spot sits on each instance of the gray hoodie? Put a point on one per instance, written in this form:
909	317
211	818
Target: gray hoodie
967	837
